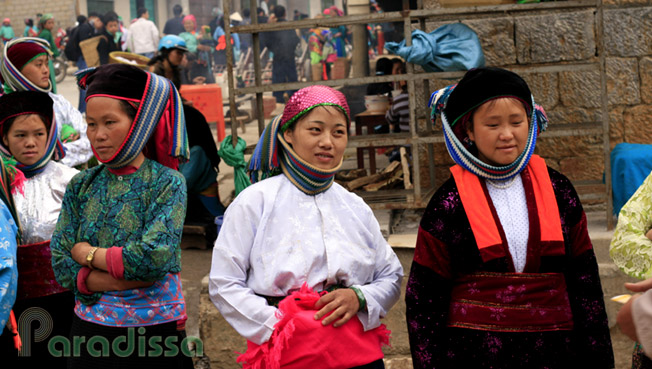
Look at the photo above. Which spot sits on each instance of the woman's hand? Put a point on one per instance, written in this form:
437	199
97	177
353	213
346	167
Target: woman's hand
79	252
626	321
649	234
343	303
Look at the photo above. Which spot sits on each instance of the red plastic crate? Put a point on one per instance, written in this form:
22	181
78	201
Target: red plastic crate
208	100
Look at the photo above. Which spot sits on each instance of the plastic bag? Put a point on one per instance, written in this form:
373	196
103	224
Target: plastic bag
450	47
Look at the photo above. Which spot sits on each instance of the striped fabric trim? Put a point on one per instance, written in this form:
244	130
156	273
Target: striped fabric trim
464	158
273	155
14	80
158	92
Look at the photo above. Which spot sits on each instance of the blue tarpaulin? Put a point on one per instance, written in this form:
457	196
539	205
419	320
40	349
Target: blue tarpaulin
630	165
450	47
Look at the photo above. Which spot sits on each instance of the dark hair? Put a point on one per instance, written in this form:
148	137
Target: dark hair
129	109
279	11
94	14
161	55
29	22
141	11
384	66
177	9
246	12
260	10
109	18
81	19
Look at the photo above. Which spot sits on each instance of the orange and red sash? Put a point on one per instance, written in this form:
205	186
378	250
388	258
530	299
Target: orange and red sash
485	228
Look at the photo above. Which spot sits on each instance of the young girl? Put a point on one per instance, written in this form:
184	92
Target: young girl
117	240
300	268
25	68
28	132
504	273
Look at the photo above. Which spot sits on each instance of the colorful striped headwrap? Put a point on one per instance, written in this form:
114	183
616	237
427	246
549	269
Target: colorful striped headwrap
25	103
273	155
159	128
456	103
18	53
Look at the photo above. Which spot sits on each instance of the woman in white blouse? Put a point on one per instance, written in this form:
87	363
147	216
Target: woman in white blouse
301	235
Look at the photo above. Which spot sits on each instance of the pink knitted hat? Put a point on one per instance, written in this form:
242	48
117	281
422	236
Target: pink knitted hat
310	97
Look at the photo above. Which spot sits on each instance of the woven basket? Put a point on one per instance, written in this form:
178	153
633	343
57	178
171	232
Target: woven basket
88	48
140	61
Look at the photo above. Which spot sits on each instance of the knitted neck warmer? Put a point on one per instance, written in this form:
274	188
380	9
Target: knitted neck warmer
461	155
273	155
159	117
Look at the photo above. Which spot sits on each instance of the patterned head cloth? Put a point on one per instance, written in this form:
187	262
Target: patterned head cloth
309	98
159	128
44	18
19	52
26	103
273	155
455	105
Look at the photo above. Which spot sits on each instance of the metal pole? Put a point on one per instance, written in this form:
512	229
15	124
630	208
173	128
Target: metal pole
257	69
229	72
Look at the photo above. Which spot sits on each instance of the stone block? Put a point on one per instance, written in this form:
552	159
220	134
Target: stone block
637	124
569	146
622	81
398	362
628	31
581	168
497	38
580	89
555	37
572	115
645	71
616	126
544	87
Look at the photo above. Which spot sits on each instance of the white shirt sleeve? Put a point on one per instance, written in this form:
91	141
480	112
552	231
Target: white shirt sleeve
248	313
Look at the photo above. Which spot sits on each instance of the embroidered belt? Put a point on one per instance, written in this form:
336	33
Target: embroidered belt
35	274
511	302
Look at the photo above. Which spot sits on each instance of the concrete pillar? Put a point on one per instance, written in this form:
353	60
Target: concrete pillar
123	8
161	14
360	62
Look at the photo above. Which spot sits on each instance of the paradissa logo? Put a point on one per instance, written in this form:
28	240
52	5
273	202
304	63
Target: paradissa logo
123	346
99	346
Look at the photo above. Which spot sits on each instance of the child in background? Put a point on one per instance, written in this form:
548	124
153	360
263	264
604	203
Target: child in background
6	31
329	54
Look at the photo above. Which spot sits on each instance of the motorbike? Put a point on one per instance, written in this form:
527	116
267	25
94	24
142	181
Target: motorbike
60	63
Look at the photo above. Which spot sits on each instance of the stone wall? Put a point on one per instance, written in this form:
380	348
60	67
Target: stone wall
572	97
62	10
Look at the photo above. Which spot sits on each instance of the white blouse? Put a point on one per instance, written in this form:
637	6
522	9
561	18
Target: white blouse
275	238
39	205
511	206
